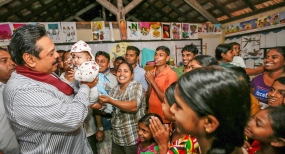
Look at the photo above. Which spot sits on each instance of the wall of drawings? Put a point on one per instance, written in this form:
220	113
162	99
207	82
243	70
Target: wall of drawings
65	32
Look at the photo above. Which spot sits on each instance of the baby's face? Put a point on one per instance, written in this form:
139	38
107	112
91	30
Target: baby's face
80	57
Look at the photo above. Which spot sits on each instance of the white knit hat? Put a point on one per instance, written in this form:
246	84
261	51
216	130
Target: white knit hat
81	46
87	71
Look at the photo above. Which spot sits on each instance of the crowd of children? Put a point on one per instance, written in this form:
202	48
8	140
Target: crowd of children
208	105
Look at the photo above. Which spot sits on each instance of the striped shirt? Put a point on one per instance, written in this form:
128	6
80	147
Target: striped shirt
125	124
46	120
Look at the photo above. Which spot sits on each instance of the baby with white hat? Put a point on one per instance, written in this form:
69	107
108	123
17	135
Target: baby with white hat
87	70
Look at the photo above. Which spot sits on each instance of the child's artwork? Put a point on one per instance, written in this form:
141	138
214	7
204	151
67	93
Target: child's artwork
54	32
211	28
185	31
166	31
123	29
155	31
263	21
193	31
98	30
203	28
17	25
37	23
5	33
175	30
250	46
233	28
282	18
133	31
69	33
118	50
144	30
274	19
247	25
217	28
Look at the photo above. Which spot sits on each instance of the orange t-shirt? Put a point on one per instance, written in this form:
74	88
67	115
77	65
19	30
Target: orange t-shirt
163	80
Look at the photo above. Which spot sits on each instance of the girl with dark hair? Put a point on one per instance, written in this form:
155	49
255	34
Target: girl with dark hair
277	92
267	129
224	54
274	66
201	61
146	142
213	104
178	142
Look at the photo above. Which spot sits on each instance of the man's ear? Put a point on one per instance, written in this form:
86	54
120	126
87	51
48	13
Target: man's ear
222	55
167	58
29	60
210	124
279	142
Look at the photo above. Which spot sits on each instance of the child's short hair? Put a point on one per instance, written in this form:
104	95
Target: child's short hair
190	48
145	118
164	48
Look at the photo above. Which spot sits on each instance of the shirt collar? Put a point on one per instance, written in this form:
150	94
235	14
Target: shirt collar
164	72
107	71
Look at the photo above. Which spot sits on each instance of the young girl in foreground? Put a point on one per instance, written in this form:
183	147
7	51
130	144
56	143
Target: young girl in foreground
267	127
146	143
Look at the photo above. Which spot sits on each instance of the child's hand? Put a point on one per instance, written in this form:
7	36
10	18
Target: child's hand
159	132
70	75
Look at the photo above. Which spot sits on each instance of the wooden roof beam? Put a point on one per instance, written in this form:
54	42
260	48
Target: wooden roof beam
176	10
108	6
248	3
79	13
221	8
3	2
195	5
160	10
132	5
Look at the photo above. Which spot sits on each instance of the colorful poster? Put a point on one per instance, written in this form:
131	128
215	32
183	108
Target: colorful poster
133	31
17	25
185	31
211	28
217	28
37	23
144	28
274	19
282	18
175	31
247	25
250	46
69	33
155	31
118	50
193	31
5	33
204	28
263	21
166	31
233	28
123	29
54	32
98	30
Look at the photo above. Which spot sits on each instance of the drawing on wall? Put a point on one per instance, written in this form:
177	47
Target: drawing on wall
118	50
37	23
185	31
250	24
282	18
233	28
17	25
144	30
54	32
5	33
166	31
250	46
69	31
98	30
175	30
217	28
123	29
264	21
155	30
132	31
275	19
193	31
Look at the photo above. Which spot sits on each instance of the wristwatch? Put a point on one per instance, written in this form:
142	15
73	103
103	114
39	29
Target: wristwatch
100	128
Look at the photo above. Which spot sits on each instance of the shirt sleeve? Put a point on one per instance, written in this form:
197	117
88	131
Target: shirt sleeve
38	108
137	93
